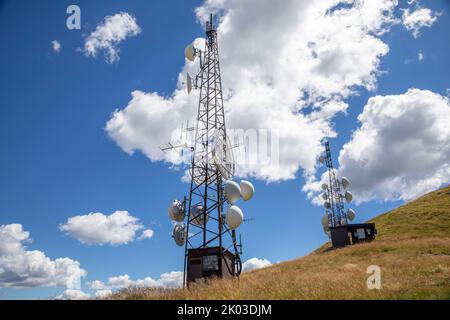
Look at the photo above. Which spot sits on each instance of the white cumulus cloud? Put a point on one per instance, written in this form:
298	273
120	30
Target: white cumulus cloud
168	280
109	33
102	294
98	229
255	263
414	20
20	267
401	149
73	294
146	234
287	68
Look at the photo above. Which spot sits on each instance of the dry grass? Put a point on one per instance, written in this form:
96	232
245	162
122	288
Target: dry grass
412	249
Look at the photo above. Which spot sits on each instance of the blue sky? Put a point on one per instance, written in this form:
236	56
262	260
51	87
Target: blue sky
58	161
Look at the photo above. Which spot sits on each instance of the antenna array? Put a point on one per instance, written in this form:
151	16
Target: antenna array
201	225
333	197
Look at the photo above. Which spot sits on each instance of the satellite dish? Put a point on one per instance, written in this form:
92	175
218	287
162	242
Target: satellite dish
234	217
176	212
348	196
351	214
232	191
189	83
197	215
247	190
327	204
326	229
324	186
321	159
325	221
179	235
325	196
345	182
189	52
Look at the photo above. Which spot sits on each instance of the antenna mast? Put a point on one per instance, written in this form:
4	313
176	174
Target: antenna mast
206	197
335	222
207	234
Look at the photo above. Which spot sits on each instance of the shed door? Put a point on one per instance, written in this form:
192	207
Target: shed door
195	269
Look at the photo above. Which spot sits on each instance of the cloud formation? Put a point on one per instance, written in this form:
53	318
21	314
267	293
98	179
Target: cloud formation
20	267
400	150
255	263
304	59
168	280
109	34
102	294
414	20
73	294
99	229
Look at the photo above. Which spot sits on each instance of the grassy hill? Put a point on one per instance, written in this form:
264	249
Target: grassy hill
412	250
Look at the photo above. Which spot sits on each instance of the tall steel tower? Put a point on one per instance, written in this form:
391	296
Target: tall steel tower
208	235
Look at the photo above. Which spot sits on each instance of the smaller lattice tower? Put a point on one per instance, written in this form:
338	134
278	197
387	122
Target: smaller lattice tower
335	191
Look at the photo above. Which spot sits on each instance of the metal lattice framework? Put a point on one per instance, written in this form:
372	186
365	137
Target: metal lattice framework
206	227
336	213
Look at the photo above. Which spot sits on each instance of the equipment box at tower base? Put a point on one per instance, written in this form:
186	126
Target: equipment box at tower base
209	262
342	236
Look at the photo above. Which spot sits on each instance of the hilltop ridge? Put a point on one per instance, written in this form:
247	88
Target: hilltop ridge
412	249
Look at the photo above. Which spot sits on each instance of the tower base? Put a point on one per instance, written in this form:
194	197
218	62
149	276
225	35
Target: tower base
209	262
352	233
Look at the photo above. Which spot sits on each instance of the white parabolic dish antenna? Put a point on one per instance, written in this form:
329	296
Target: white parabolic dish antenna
234	217
197	215
179	235
345	182
175	211
348	196
189	52
351	214
247	190
232	191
